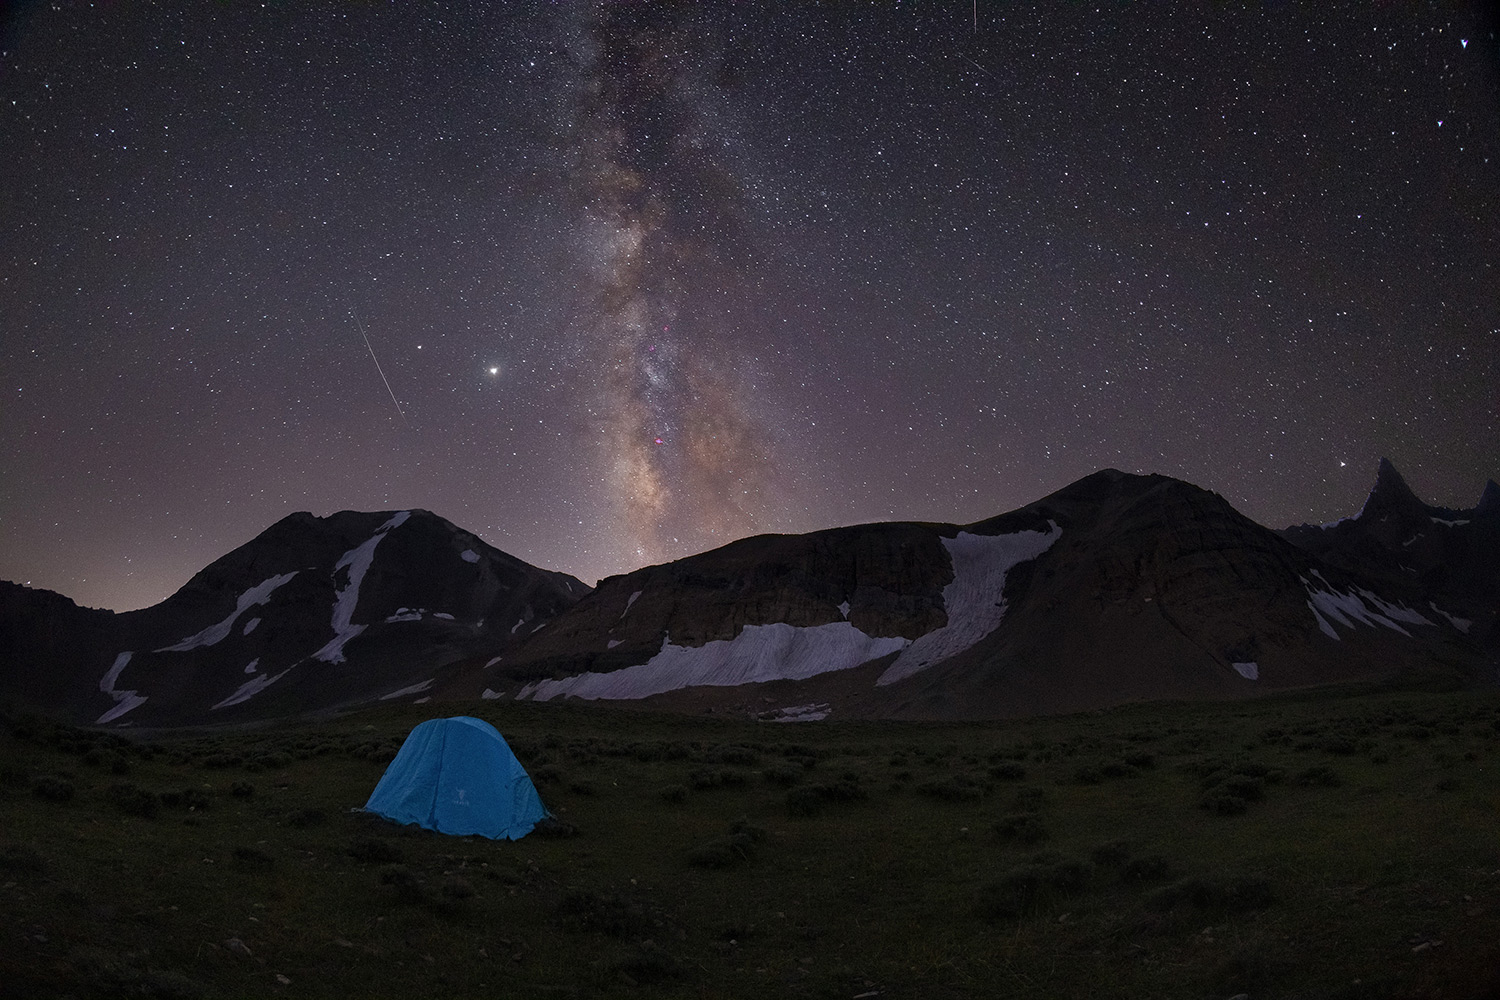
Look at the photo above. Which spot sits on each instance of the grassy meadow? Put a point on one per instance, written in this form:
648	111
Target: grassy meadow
1318	846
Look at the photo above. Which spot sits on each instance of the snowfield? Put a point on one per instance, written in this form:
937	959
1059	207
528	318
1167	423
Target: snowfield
1359	606
973	600
759	653
215	633
357	560
127	699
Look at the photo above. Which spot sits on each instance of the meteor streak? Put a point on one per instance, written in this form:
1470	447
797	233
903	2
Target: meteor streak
360	327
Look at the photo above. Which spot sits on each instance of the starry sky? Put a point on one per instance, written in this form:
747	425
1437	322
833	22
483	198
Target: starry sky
608	284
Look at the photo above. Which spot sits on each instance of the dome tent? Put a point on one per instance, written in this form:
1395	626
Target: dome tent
458	776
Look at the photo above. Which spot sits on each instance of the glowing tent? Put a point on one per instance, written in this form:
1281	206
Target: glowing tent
458	776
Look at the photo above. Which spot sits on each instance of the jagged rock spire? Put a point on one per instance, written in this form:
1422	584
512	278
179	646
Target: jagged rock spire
1489	500
1390	494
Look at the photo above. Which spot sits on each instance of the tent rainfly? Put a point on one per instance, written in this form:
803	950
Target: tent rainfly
459	776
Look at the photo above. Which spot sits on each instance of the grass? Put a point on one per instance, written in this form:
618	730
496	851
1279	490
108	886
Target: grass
1085	856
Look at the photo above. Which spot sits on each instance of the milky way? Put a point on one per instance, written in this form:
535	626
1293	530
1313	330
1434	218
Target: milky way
659	223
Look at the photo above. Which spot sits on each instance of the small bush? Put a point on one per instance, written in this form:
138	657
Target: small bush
804	801
609	915
456	887
549	774
1027	888
1230	894
737	755
1223	804
1088	775
704	778
784	775
52	789
958	788
1318	777
301	819
555	829
1116	769
1030	799
253	858
1112	854
134	800
1007	770
1150	868
409	889
242	789
646	966
372	850
585	788
673	793
1023	828
1141	760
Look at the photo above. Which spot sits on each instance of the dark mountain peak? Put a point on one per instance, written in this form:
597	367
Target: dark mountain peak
1489	500
1390	495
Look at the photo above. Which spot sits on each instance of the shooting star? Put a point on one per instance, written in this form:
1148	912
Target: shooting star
360	327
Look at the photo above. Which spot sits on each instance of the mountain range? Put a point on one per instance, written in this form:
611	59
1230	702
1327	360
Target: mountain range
1113	589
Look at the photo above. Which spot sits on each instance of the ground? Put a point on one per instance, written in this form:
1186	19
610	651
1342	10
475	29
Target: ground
1313	846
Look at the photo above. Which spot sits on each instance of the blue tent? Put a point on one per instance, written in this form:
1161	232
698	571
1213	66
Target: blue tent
458	776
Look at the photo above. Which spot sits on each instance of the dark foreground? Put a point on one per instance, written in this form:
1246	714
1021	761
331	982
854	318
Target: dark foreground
1313	847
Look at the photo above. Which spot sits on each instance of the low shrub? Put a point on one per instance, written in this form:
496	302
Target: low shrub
704	778
1228	894
808	800
253	859
1031	886
1007	770
1023	828
555	829
1221	803
610	915
957	788
134	800
372	850
1111	854
673	793
1318	777
301	819
52	789
784	775
1149	868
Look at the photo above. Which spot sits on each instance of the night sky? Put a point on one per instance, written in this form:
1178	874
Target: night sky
612	284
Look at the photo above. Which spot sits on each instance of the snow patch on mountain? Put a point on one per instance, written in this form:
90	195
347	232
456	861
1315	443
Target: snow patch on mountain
1451	524
258	594
357	561
1250	670
251	688
759	653
798	713
1462	624
417	688
128	700
1356	606
252	666
469	556
974	600
628	603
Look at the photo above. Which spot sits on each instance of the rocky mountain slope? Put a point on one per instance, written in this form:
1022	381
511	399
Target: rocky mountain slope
1116	588
313	613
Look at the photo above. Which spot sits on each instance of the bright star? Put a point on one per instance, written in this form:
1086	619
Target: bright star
494	371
